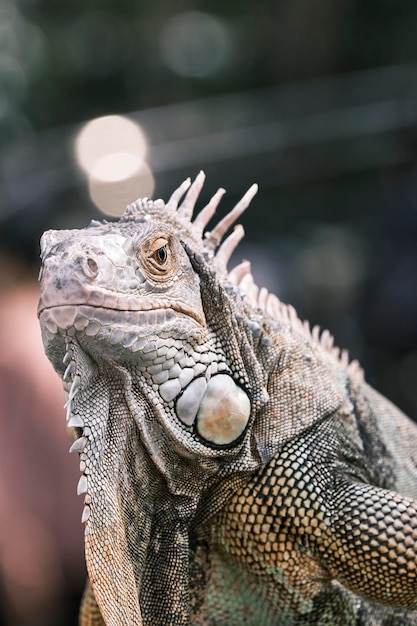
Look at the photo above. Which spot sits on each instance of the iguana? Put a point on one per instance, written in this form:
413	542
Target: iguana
235	466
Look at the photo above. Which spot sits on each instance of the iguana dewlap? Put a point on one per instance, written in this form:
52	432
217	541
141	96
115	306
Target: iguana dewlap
236	469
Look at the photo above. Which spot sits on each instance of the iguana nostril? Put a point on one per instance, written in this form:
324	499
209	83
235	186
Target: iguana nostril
89	267
92	265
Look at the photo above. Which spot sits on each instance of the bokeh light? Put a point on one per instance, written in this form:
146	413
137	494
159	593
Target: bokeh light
108	135
195	44
118	179
112	150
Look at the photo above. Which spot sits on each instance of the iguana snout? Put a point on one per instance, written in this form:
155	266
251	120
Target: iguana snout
90	268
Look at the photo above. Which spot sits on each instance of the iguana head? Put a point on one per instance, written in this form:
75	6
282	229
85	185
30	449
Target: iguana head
115	287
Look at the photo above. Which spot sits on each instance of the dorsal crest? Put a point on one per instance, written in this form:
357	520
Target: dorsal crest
140	208
220	249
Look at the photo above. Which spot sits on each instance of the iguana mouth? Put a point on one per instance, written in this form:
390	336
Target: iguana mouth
80	315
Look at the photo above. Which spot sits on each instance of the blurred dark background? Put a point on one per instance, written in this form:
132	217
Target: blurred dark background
315	101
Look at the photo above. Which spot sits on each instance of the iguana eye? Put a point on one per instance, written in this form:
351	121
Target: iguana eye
161	255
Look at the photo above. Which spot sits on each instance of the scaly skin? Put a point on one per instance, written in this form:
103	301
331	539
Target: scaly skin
236	468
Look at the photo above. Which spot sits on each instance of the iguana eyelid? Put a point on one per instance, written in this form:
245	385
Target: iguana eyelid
160	242
158	258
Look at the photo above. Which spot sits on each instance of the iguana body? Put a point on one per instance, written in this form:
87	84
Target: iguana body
236	468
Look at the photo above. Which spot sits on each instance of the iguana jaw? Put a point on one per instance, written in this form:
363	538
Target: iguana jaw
66	312
124	333
136	313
